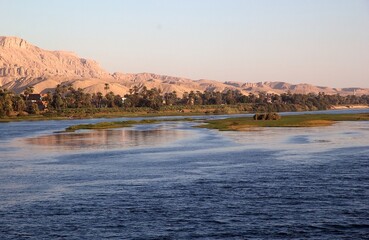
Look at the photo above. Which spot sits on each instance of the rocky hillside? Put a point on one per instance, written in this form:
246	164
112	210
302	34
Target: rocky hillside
23	64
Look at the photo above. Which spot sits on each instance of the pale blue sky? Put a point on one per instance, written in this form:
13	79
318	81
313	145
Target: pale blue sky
322	42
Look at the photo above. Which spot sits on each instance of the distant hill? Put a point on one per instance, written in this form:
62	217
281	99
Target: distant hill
23	64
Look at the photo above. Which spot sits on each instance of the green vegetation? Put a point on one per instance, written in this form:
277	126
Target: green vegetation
306	120
66	102
267	116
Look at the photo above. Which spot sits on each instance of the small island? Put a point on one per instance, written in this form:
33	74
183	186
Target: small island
119	124
303	120
107	125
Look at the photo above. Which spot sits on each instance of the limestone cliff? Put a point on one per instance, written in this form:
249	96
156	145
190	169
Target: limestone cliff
23	64
20	60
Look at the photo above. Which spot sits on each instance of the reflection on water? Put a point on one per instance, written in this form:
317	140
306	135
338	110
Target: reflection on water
107	139
300	144
341	134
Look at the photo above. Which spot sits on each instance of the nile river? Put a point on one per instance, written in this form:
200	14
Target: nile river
172	181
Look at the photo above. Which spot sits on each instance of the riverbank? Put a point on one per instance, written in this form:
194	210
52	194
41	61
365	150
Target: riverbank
202	110
131	113
353	106
108	115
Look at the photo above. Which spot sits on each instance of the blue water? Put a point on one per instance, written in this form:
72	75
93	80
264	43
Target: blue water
173	181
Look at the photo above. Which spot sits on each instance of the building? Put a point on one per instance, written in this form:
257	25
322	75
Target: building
37	99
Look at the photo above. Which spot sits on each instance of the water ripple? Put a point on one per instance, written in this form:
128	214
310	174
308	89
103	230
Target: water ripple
184	183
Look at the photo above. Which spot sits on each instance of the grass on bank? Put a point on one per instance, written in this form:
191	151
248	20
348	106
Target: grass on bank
88	113
306	120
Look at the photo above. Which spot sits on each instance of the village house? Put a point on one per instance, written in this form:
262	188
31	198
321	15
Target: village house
37	99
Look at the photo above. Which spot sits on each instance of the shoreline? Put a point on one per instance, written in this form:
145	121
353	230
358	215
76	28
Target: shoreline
113	115
353	106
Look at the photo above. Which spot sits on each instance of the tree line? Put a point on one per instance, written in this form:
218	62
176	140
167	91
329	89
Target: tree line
67	97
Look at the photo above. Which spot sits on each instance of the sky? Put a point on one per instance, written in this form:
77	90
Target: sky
321	42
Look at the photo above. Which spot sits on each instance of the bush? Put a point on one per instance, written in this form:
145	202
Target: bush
32	108
267	116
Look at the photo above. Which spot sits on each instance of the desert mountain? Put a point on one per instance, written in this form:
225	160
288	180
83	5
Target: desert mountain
23	64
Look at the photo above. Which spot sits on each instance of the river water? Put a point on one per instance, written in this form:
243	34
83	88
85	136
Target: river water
172	181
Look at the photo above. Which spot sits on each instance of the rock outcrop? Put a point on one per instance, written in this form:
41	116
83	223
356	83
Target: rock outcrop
19	59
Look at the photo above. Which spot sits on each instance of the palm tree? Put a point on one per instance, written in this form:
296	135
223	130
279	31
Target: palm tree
100	98
19	104
29	90
106	88
6	102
